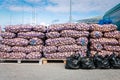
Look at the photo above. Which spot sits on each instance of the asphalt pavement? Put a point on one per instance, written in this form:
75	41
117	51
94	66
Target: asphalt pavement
53	71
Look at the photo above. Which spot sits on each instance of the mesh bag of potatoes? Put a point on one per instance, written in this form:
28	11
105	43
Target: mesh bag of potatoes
74	33
34	55
5	48
96	34
82	27
113	34
83	41
60	41
112	48
29	35
35	41
39	28
20	49
49	49
96	47
8	35
109	41
59	55
52	34
103	28
15	42
4	55
102	52
18	55
71	48
60	27
18	28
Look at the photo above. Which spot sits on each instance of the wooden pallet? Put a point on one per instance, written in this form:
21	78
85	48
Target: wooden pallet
45	61
19	61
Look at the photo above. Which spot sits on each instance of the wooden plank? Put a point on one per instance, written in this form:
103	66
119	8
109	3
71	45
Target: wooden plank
45	61
19	61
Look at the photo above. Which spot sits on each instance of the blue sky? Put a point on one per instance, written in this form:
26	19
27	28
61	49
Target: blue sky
50	11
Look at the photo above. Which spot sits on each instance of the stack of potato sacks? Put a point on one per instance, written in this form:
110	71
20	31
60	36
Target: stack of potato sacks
66	39
105	39
22	42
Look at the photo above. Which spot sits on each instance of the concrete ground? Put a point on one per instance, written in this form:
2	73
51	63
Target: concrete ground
54	71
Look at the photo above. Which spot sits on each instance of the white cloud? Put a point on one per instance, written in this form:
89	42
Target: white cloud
20	8
35	1
25	8
82	5
62	6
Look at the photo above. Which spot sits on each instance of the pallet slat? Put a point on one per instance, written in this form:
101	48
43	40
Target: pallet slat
19	61
45	61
